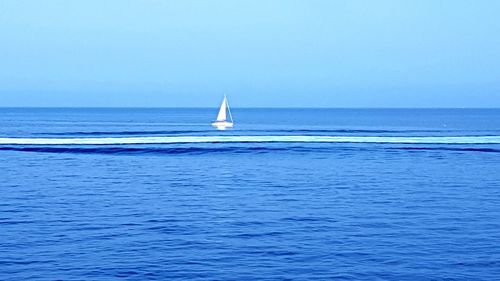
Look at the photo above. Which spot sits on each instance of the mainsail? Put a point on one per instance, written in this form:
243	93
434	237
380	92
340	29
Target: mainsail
223	112
222	116
222	120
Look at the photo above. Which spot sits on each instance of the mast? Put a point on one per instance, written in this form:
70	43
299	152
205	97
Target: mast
228	110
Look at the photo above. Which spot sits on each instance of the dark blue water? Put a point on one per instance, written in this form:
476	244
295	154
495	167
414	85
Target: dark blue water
254	210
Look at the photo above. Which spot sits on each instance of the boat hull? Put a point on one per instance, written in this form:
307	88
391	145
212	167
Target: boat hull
223	124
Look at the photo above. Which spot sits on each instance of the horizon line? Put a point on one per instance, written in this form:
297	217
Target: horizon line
238	107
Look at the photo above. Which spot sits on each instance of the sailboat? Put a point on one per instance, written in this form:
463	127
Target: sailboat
222	120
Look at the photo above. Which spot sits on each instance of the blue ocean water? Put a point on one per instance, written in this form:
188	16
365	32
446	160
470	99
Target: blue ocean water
263	201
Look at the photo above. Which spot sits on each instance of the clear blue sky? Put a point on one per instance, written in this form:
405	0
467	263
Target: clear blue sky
261	53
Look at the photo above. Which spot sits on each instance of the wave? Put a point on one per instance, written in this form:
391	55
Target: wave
253	139
230	149
124	133
133	150
287	131
464	149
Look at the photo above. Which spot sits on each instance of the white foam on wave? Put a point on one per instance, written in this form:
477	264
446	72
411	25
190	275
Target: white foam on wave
230	139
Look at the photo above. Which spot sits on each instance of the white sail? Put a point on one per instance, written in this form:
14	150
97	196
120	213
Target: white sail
222	116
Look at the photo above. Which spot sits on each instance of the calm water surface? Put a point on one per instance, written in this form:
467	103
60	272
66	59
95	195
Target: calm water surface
250	211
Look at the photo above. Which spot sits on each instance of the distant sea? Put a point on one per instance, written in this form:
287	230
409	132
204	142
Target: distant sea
287	194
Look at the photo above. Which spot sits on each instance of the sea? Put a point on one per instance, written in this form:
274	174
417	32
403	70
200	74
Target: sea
287	194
